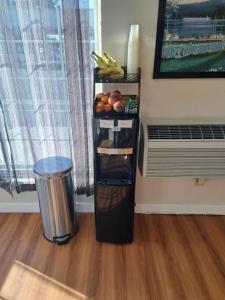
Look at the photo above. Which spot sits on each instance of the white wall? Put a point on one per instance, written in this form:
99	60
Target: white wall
182	100
27	197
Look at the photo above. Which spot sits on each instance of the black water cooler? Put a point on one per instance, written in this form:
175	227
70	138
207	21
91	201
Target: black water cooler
115	145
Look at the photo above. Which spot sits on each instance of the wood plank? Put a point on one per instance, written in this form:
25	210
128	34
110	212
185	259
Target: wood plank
172	257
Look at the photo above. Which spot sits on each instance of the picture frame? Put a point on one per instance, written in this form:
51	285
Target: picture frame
190	41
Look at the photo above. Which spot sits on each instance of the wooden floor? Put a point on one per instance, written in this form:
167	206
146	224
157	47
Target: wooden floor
172	257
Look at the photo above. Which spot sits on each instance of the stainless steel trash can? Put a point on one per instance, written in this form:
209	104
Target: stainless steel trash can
56	198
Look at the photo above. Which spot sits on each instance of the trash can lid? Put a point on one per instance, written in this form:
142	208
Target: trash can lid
53	166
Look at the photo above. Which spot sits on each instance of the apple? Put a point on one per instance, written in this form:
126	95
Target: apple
118	106
113	99
117	93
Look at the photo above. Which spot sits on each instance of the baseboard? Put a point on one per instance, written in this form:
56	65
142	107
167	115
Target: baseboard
147	208
84	207
181	209
33	207
19	207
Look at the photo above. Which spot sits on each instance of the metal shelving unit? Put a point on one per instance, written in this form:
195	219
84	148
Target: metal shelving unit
115	154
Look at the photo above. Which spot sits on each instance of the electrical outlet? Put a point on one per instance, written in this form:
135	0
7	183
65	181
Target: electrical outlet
200	181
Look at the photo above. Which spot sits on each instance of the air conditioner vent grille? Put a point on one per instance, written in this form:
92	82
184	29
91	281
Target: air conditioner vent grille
194	150
186	132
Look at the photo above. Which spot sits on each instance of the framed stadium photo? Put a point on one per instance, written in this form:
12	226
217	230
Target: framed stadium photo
190	40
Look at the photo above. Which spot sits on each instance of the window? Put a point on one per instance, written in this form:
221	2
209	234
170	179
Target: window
32	41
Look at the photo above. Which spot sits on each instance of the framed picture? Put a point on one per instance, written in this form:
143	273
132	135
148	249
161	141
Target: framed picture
190	39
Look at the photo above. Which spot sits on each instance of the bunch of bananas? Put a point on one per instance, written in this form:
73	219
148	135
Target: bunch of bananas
108	65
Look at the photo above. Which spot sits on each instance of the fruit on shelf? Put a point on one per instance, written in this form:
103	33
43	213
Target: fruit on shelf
123	100
101	62
115	102
116	93
118	106
114	72
108	65
99	96
113	99
107	107
99	106
105	98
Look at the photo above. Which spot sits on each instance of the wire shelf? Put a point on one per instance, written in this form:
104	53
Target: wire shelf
133	113
127	78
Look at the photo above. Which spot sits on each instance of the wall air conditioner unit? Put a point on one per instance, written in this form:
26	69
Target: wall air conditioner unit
182	150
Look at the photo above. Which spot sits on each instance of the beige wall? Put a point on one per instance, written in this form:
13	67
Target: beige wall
183	100
191	100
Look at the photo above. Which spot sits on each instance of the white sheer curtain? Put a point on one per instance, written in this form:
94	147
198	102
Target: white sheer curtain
45	88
